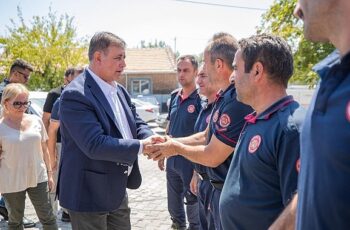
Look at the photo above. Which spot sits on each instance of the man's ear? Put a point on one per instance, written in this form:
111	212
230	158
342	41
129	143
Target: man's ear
219	63
97	57
258	69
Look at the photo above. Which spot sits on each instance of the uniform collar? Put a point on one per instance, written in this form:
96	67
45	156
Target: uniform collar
221	93
192	95
323	67
251	118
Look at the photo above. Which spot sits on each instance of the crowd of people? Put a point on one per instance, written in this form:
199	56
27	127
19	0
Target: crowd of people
239	152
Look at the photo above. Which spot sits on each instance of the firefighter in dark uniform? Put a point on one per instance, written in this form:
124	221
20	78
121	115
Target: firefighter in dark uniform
214	147
263	174
200	183
185	105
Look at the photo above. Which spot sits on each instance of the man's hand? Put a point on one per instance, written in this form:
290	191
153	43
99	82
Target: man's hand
50	182
164	150
161	164
194	183
149	142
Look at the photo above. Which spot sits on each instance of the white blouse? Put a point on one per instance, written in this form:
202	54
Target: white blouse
22	164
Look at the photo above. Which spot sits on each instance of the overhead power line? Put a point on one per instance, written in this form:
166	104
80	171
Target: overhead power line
222	5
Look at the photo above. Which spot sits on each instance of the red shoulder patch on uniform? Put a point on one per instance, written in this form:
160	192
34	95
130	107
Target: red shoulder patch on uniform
190	108
297	165
216	116
254	143
207	119
347	111
225	120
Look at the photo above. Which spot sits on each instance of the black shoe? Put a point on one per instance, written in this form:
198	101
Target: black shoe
65	217
27	223
4	213
176	226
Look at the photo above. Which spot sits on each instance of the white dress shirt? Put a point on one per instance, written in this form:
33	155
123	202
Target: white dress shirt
110	92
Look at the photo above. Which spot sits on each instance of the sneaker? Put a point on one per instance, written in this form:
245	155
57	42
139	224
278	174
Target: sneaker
65	217
27	223
4	213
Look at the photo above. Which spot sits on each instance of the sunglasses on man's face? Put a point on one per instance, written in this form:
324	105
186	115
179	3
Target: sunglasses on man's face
19	104
26	76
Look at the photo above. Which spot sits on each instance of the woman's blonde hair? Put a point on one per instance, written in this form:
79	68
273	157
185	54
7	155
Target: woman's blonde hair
12	91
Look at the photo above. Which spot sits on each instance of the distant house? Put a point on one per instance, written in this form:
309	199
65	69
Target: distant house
149	71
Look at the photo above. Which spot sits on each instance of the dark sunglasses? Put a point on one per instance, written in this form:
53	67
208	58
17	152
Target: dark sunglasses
19	104
24	75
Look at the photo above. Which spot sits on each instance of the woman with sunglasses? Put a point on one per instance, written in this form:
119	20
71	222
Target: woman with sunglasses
24	160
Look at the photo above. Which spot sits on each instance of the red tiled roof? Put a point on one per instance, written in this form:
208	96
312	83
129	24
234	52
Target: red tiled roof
150	60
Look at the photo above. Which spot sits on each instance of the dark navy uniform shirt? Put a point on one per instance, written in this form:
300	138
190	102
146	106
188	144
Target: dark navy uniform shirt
226	123
200	125
183	113
182	116
324	181
263	174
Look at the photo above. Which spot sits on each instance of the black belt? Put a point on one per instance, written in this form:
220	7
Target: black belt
203	176
217	184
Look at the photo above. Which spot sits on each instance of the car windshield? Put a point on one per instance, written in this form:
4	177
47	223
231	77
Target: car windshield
38	101
148	99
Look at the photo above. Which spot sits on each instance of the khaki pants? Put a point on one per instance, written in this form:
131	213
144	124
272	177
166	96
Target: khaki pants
39	195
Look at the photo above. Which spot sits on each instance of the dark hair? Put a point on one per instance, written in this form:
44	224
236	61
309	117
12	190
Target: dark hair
222	46
191	58
273	52
20	64
73	70
102	40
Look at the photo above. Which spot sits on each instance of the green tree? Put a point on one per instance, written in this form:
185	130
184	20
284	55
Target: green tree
154	44
49	43
279	20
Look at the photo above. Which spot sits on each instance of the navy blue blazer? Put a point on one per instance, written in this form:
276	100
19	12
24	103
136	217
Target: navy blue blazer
93	173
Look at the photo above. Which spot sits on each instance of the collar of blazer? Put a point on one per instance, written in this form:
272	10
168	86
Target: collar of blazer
98	94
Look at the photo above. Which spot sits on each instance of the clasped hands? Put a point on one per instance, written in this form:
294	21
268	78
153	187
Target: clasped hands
159	147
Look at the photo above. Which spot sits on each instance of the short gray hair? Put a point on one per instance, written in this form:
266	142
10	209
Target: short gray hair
102	40
222	46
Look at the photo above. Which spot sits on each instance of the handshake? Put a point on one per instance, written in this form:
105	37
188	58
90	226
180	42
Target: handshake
160	147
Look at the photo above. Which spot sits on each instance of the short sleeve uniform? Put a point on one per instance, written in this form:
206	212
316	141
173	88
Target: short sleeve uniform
226	123
200	125
55	110
324	188
263	174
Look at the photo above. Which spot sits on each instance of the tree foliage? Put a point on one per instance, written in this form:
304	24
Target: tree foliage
155	44
279	20
49	43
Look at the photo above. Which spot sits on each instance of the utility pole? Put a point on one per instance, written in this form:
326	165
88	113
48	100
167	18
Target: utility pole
175	45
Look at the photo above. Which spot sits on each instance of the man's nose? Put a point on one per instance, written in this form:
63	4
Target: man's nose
297	11
123	63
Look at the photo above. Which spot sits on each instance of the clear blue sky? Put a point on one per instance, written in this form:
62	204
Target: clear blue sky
136	20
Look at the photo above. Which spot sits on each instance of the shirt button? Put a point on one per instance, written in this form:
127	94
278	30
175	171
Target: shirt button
126	172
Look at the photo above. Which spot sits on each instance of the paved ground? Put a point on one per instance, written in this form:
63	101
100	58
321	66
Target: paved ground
148	203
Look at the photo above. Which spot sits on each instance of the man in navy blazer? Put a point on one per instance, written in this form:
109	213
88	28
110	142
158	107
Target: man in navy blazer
102	137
